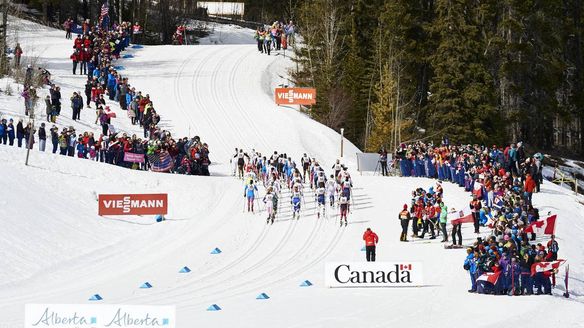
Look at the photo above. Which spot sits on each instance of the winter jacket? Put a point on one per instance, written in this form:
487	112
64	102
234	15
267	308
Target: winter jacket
370	238
19	130
42	134
10	130
471	263
443	214
529	184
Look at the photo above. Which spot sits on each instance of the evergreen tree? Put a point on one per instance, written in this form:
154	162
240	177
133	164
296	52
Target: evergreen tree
462	101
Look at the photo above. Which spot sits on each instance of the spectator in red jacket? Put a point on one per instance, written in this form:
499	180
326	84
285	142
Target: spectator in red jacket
371	241
529	188
75	57
78	42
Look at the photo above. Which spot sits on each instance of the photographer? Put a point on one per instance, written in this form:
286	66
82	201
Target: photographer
383	161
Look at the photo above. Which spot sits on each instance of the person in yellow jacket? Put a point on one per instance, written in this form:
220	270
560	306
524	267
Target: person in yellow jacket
404	218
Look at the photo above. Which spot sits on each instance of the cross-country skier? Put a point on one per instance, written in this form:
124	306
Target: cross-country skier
337	167
346	190
269	201
305	161
249	192
344	206
240	162
295	200
320	201
331	190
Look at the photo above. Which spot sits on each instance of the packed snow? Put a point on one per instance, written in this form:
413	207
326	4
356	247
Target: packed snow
54	248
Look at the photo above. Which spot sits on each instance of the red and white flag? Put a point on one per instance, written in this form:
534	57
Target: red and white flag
545	226
490	277
462	216
545	266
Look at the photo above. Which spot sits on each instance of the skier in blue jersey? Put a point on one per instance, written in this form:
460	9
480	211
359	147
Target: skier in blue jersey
249	192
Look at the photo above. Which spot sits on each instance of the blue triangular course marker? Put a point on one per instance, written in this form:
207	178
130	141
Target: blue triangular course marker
185	270
216	251
214	307
363	249
262	296
95	297
137	46
306	283
146	285
128	56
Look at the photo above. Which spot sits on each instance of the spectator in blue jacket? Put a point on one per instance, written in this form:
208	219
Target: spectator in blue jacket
470	264
3	131
10	132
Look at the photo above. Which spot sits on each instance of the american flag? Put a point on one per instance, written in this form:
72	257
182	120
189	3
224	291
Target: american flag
104	9
161	162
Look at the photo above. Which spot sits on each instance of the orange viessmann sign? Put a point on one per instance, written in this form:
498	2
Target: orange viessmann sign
295	96
133	204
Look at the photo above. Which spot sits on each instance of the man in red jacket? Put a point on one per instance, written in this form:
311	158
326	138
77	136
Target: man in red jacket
529	188
371	240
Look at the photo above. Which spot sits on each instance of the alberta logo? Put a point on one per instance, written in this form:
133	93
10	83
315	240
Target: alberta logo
373	274
98	316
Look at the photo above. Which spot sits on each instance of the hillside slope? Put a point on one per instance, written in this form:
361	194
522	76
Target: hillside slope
55	249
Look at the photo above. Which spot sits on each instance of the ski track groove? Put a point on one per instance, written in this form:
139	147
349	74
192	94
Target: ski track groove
291	227
280	267
221	222
199	104
217	99
71	288
238	104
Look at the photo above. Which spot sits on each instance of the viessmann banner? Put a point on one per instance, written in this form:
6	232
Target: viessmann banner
374	274
133	204
295	96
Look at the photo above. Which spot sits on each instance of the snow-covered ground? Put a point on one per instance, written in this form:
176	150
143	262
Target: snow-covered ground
225	33
55	249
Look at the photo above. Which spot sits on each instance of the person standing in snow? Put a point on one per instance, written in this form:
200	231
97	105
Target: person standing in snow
404	218
443	221
17	54
10	132
371	239
55	138
42	137
19	132
470	264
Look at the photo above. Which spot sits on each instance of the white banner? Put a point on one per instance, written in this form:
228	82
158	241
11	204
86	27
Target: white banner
369	162
98	316
374	274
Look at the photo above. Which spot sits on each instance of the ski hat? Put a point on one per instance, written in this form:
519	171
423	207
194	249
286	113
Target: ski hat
405	207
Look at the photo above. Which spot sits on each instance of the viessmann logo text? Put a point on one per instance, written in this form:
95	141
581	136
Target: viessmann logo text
133	204
373	274
295	96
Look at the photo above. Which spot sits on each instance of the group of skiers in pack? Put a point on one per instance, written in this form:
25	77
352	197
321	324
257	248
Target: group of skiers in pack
502	181
158	150
276	36
278	173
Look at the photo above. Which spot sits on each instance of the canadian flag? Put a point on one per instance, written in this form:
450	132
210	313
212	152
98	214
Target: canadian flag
545	226
462	216
490	277
546	266
405	266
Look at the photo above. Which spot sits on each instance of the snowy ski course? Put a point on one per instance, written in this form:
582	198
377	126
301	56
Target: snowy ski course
55	249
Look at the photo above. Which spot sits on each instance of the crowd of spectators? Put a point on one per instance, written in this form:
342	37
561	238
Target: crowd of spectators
501	181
